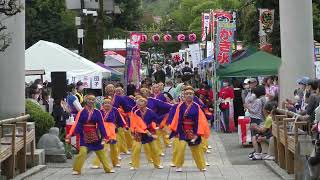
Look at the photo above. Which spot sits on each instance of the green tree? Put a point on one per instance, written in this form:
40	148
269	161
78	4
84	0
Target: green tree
131	14
316	20
49	20
249	24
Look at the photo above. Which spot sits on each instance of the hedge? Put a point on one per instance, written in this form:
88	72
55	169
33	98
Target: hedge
43	120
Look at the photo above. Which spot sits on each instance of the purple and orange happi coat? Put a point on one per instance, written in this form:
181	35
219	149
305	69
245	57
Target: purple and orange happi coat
205	109
85	121
141	122
124	104
160	97
161	108
112	120
194	113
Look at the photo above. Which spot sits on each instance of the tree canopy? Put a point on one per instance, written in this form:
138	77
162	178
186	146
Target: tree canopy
50	20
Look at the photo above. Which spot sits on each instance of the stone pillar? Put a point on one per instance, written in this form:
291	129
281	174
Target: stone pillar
12	68
296	44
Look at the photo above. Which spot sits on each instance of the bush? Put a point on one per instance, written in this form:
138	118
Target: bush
43	120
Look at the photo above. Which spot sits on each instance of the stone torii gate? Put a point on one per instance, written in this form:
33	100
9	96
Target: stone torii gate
297	46
12	66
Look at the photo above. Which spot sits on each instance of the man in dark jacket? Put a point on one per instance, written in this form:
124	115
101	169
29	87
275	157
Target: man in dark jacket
159	75
187	72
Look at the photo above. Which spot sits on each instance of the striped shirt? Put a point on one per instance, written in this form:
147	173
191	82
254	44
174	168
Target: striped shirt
256	109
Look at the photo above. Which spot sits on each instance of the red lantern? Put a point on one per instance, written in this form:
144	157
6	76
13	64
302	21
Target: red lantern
192	37
167	37
181	37
156	38
144	38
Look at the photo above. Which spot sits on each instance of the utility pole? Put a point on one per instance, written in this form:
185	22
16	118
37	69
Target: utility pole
206	48
81	39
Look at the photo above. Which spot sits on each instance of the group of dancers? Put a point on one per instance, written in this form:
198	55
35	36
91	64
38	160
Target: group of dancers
126	123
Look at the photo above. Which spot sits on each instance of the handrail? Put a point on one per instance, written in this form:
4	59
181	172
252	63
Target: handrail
15	120
292	114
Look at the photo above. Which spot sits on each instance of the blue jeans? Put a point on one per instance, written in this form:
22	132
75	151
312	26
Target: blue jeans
255	121
226	114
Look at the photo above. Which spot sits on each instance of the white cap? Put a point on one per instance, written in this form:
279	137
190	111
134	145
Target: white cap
246	81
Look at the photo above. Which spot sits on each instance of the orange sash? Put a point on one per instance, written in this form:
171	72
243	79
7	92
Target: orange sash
111	130
164	121
74	125
137	124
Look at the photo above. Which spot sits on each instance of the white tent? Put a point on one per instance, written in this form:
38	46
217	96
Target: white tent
52	57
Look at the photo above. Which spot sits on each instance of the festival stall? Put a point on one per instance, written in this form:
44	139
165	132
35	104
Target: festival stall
114	60
52	57
258	64
115	75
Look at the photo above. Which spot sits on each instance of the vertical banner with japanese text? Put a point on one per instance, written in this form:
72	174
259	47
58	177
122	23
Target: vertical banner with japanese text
205	25
266	21
195	52
224	41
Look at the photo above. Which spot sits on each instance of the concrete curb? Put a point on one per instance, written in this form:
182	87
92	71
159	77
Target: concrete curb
278	171
31	172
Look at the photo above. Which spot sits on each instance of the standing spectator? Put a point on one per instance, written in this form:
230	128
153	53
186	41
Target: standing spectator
196	78
237	102
169	88
60	113
252	85
34	95
79	93
226	95
246	89
159	75
169	71
255	106
131	88
72	101
271	89
177	71
187	72
45	100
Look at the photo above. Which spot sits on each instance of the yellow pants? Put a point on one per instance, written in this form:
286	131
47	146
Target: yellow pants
114	154
158	142
197	155
204	144
164	135
82	156
150	151
129	139
175	151
121	141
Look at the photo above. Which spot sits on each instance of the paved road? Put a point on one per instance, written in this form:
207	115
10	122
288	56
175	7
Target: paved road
237	154
220	169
